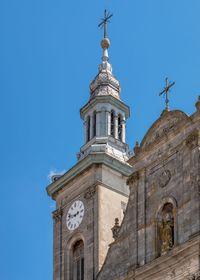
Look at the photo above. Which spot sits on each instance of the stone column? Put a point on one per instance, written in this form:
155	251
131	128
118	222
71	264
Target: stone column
98	123
87	126
103	122
116	127
91	126
123	124
108	121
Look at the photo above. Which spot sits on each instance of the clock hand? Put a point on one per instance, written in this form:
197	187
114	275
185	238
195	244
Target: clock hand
76	214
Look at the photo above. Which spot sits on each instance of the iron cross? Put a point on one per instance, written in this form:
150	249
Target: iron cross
104	22
166	92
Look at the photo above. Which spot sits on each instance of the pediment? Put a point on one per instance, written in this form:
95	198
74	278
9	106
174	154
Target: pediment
169	122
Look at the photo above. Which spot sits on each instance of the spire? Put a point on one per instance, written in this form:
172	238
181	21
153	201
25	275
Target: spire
105	114
105	65
105	83
105	43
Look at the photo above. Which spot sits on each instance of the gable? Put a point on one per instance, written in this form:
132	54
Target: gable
169	122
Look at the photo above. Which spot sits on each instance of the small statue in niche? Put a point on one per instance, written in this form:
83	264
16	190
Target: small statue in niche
116	228
166	229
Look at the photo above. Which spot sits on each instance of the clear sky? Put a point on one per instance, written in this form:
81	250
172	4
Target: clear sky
49	52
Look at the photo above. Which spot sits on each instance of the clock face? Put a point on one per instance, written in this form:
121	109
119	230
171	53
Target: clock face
75	215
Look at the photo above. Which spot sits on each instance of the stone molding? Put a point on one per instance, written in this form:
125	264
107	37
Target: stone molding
106	144
164	178
105	99
90	192
57	214
82	165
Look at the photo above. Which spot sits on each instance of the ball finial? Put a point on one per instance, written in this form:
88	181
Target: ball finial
105	43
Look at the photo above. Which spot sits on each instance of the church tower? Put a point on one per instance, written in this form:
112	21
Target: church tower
91	197
105	114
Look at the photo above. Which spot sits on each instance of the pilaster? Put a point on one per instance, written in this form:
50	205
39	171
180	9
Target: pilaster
58	254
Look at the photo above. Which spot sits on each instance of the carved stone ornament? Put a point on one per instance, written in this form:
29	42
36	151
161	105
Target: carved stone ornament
193	140
198	104
195	276
116	228
166	234
57	214
136	148
133	178
160	132
90	192
164	178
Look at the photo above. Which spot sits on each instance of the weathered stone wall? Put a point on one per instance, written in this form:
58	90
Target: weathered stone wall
109	205
166	170
122	252
102	197
83	187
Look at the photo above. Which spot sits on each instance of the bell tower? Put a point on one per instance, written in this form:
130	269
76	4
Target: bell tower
105	114
91	197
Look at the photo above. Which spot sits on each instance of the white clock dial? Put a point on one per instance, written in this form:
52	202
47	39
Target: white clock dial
75	215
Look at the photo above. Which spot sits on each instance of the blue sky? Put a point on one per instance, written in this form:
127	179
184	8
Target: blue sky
49	52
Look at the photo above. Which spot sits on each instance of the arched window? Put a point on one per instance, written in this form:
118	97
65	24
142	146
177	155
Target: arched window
88	129
120	127
112	123
78	261
166	228
94	124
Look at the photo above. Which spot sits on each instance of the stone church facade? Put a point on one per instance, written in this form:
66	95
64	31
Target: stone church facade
123	215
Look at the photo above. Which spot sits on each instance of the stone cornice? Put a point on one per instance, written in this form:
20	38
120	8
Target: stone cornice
193	140
105	99
57	214
133	178
100	158
173	258
104	140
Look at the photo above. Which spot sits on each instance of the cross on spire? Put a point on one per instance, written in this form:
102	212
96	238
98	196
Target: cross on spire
104	22
166	92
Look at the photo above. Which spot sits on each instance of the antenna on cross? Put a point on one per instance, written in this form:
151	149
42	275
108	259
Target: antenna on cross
105	21
165	91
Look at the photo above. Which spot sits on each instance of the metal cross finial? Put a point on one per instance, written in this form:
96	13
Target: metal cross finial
166	92
104	22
